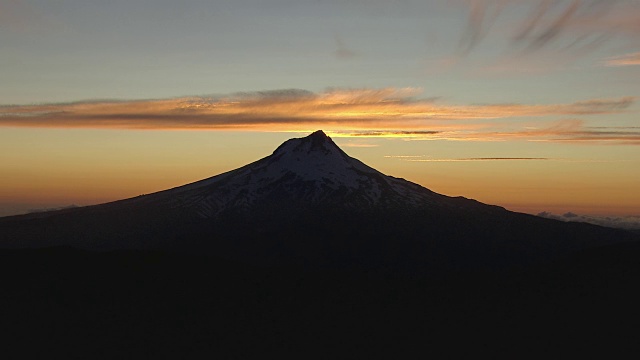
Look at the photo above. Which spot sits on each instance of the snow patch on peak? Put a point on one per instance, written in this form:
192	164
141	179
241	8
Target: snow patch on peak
318	141
318	134
310	169
317	158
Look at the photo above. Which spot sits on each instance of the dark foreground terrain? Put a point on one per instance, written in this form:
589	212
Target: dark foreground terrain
72	303
311	253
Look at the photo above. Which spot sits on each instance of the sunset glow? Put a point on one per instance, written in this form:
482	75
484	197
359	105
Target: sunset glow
529	105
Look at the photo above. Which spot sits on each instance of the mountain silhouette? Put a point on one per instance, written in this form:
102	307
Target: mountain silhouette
310	251
304	172
311	204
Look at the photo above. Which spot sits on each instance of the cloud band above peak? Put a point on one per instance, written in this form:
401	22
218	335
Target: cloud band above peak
362	112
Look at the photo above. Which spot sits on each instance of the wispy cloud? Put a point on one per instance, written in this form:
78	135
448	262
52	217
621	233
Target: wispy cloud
574	131
22	17
476	159
426	159
423	158
15	15
342	51
487	159
72	206
624	60
568	28
566	131
392	133
622	222
404	156
355	145
387	112
569	22
482	15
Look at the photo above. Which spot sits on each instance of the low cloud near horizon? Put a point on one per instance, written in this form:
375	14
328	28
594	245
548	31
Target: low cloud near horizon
365	112
422	158
621	222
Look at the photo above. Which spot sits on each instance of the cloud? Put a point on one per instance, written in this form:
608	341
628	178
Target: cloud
387	112
420	158
352	145
342	51
624	60
548	32
573	27
394	133
487	159
482	15
21	17
404	156
621	222
72	206
15	14
575	131
599	105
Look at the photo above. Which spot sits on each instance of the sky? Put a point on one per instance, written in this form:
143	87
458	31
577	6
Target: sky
528	104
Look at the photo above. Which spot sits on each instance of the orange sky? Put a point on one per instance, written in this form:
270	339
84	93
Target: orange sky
532	105
58	167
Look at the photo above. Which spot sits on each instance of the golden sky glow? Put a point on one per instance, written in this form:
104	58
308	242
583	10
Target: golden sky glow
75	152
529	104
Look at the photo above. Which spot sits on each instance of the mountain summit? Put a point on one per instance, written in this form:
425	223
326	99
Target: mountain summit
304	171
310	203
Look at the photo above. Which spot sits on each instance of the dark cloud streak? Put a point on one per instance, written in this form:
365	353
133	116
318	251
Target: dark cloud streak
423	158
504	158
479	24
391	133
577	27
556	28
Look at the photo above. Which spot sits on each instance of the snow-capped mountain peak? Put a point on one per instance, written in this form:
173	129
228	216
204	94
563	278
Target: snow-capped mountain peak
317	158
317	141
310	170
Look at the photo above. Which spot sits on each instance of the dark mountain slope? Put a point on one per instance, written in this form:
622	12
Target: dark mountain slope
310	253
311	204
77	304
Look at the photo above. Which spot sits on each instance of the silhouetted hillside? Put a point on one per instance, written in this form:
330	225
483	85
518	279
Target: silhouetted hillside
81	304
309	204
309	252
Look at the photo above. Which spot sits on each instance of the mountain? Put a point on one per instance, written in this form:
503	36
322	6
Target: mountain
311	204
304	172
309	251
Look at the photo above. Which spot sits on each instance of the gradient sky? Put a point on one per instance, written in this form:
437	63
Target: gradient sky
528	104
